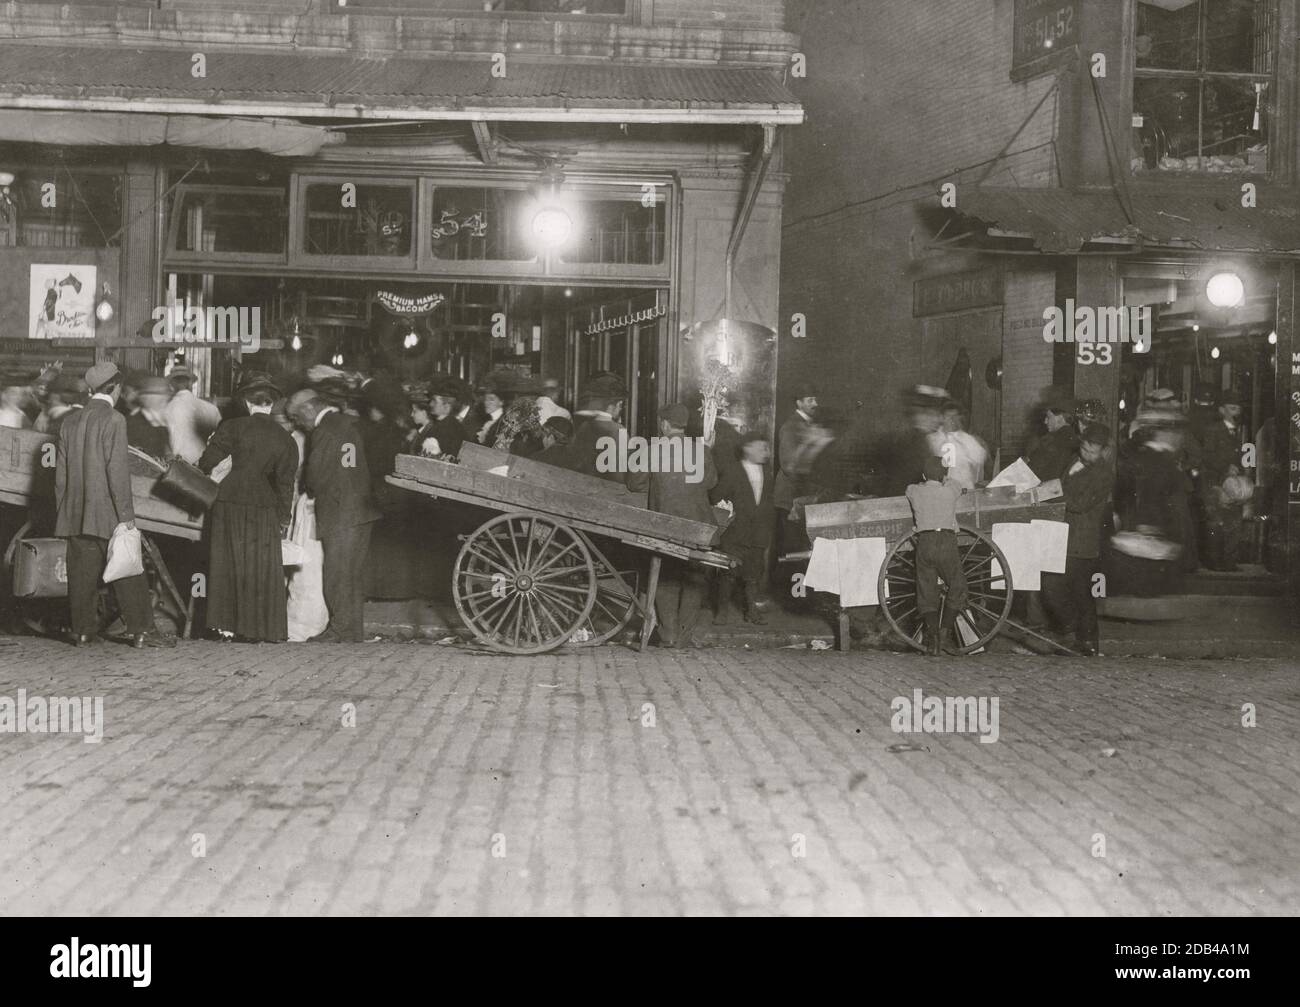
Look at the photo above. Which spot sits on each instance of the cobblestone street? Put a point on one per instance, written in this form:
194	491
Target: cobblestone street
756	783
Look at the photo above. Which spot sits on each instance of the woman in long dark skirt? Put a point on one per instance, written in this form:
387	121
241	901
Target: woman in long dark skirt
246	587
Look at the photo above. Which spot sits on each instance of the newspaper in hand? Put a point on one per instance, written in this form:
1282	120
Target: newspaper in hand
1017	474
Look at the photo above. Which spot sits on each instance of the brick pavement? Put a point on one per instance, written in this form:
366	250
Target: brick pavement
547	759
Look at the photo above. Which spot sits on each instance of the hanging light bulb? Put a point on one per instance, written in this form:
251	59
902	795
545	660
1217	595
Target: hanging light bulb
1214	353
295	343
1272	338
412	338
104	310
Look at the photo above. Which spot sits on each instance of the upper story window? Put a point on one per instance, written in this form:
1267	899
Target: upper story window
460	8
57	208
1203	88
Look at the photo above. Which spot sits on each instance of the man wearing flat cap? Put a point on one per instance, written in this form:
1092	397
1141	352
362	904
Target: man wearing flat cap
92	489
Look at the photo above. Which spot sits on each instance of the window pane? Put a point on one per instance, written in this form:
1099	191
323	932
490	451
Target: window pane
87	210
480	224
619	231
564	6
379	223
1187	126
1230	142
1238	36
232	222
1168	35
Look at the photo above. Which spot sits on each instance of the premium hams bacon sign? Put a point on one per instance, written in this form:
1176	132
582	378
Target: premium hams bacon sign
410	307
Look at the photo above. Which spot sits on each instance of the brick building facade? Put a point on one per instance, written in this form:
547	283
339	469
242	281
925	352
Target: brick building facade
1099	152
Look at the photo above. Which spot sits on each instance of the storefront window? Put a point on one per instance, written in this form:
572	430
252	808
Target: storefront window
349	219
61	209
571	8
240	220
480	224
1203	85
619	232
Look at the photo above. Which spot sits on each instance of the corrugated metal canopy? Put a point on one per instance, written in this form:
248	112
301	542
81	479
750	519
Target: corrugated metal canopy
1063	220
437	86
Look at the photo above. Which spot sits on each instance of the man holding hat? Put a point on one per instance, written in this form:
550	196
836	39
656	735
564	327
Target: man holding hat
92	488
190	419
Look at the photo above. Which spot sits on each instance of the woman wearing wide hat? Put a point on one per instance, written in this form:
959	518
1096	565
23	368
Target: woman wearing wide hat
246	589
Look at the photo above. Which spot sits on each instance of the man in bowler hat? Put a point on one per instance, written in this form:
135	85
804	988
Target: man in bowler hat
338	477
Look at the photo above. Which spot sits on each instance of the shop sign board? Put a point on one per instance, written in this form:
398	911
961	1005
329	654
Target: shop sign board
1042	29
939	295
61	301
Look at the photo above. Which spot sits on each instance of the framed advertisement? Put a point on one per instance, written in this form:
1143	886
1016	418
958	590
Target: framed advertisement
61	301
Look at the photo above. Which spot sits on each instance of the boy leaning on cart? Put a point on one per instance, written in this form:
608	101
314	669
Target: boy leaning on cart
934	510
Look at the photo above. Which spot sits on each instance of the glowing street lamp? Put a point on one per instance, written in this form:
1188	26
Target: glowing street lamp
1225	290
552	224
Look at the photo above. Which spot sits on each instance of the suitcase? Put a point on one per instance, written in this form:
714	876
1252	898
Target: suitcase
41	568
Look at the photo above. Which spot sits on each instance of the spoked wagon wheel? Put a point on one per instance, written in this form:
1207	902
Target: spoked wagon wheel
988	588
524	585
613	609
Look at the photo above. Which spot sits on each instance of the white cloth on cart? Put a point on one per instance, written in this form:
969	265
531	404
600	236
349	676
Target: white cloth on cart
1053	540
849	567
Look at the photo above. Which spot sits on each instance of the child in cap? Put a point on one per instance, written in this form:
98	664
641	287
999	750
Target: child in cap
934	509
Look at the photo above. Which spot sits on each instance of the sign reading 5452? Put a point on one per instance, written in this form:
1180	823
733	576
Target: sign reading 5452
1043	27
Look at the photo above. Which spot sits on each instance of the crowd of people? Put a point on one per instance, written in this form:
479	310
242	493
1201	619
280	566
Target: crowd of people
1168	495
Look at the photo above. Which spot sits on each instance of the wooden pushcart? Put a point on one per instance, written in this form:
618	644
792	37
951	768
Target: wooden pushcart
988	574
27	481
543	572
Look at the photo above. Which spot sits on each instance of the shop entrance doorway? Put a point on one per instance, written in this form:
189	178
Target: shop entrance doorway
1212	346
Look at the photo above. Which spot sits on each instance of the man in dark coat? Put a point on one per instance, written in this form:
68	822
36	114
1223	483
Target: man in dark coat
748	537
602	400
92	488
1221	456
338	477
683	494
1056	451
1088	485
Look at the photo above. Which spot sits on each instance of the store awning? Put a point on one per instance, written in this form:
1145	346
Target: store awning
127	129
1063	220
434	87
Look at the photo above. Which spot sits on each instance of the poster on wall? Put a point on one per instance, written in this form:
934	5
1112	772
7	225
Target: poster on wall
62	301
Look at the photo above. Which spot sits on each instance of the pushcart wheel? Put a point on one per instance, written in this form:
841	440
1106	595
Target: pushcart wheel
988	588
524	585
614	607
